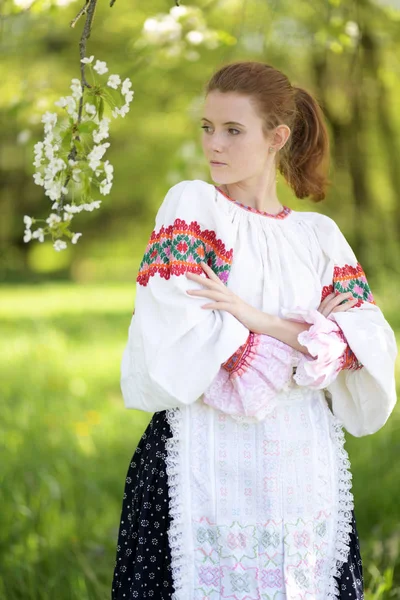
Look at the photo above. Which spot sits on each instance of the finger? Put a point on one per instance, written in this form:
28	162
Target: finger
347	306
210	272
328	297
325	301
204	280
219	306
338	299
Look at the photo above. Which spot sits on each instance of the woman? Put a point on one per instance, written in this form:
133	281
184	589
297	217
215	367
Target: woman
255	339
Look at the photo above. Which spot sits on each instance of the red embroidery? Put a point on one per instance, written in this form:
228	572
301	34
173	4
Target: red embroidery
326	290
350	279
236	359
280	215
179	248
353	279
349	359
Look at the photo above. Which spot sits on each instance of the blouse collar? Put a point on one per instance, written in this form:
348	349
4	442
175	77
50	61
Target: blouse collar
280	215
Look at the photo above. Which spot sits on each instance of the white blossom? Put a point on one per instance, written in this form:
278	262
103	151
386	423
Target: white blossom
49	119
105	187
38	234
126	85
38	179
90	109
73	208
178	11
38	148
51	169
59	245
120	111
100	67
71	106
96	155
87	60
195	37
53	219
108	169
62	102
28	221
92	205
129	97
114	81
162	29
53	190
75	237
38	152
76	88
102	132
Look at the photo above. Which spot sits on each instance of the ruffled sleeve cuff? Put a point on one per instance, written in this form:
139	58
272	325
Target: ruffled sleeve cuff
249	381
327	346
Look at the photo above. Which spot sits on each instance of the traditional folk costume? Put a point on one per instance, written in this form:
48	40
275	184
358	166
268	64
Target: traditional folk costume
240	487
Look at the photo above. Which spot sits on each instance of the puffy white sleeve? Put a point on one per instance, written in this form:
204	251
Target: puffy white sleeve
355	350
175	348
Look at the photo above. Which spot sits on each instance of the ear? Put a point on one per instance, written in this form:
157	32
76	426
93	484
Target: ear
281	135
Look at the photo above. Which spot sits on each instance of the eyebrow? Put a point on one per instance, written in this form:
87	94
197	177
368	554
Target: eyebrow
227	123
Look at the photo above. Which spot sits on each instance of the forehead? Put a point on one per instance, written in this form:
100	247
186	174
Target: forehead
229	106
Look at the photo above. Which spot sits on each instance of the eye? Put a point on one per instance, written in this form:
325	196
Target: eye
206	127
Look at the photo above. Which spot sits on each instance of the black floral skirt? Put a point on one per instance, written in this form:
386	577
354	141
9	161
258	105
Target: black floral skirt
143	560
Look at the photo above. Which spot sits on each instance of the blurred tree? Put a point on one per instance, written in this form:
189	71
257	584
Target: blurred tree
344	52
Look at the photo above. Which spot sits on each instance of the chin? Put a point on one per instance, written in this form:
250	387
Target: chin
221	179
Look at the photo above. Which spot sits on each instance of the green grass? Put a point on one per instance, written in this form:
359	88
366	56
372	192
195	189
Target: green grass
66	442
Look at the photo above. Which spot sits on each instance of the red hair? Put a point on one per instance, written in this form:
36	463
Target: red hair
304	159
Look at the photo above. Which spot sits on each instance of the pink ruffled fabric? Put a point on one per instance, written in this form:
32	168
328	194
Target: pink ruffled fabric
264	370
324	341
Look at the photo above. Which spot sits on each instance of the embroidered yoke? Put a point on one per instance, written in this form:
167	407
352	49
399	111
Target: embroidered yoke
259	480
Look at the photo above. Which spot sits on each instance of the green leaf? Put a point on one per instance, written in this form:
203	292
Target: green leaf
66	140
79	146
87	127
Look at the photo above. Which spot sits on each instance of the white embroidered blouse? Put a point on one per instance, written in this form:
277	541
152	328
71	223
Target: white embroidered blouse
258	475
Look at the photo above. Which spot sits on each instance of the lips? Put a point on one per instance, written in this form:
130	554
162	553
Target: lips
215	162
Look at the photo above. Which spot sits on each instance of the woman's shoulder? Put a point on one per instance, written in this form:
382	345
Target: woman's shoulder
192	186
329	235
317	219
189	199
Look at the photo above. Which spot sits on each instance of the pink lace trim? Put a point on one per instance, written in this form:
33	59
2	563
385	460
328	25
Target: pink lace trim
325	343
250	385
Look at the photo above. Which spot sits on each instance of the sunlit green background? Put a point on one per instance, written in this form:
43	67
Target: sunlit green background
66	439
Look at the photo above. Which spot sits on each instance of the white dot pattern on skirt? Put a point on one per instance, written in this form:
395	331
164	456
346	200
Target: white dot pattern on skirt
143	559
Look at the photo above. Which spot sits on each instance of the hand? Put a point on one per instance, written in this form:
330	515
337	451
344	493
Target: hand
225	299
332	303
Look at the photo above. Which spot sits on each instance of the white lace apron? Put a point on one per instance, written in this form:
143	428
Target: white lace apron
260	510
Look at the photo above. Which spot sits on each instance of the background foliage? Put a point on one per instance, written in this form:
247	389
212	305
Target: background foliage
66	439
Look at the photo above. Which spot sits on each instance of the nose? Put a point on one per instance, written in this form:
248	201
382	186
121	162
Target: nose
215	143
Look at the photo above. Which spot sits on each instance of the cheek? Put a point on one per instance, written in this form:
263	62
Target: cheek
253	151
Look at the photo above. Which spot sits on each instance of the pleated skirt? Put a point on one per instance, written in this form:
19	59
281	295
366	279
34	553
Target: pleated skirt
143	559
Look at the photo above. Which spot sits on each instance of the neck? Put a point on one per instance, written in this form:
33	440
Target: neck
270	205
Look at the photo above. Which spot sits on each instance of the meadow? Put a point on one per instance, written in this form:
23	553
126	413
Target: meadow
66	440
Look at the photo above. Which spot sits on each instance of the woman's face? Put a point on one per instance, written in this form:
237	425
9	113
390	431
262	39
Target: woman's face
233	135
